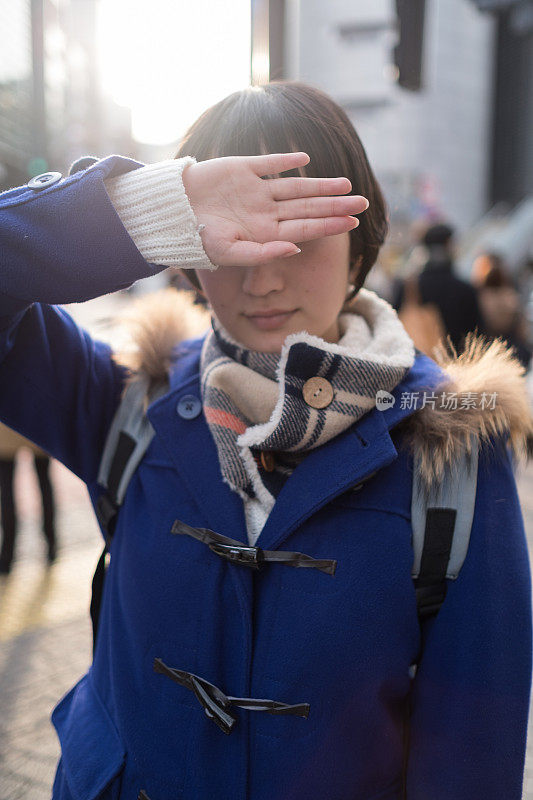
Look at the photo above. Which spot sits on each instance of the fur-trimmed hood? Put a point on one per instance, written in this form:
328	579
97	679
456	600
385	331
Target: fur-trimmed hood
490	374
160	321
156	324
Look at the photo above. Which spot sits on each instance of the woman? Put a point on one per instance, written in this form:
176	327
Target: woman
501	305
213	677
10	445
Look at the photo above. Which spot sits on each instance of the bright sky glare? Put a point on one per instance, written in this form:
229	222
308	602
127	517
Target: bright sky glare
169	60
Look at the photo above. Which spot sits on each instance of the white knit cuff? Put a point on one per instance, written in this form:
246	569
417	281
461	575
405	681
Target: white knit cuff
155	210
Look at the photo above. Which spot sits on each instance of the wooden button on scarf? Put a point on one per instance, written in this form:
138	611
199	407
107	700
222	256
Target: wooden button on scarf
318	392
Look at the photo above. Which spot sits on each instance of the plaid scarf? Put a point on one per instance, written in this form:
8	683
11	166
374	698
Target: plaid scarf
254	402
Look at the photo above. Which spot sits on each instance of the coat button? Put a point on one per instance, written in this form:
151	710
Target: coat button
189	406
317	392
44	181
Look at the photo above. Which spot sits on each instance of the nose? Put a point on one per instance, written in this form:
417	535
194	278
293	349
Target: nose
263	279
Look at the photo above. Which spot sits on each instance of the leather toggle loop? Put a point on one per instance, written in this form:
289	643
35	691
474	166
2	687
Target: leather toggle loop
215	703
213	700
254	557
247	556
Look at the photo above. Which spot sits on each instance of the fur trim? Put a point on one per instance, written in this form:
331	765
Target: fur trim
156	323
439	435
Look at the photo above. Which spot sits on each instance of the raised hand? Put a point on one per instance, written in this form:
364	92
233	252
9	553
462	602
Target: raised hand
249	220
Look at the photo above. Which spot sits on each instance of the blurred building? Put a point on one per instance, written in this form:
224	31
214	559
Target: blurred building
512	153
429	139
439	90
51	107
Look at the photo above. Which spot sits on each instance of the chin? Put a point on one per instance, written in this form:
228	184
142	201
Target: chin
261	341
267	344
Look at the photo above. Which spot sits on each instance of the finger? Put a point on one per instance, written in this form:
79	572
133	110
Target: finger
291	188
303	230
303	208
249	254
273	163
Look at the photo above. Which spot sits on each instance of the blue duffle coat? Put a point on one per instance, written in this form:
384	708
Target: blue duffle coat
343	643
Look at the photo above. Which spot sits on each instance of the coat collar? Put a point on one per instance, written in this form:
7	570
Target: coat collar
324	474
484	369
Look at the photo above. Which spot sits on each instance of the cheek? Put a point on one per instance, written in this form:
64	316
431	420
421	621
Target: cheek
220	289
325	285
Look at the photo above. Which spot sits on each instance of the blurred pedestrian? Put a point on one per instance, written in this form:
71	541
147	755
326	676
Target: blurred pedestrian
10	445
232	658
453	302
501	305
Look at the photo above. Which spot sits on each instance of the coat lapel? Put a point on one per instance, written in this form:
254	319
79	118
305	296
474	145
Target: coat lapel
326	473
192	450
346	460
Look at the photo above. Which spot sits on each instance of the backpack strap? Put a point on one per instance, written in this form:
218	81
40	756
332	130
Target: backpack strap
441	522
127	441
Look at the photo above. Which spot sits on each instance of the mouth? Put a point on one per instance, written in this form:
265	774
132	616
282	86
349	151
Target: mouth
270	320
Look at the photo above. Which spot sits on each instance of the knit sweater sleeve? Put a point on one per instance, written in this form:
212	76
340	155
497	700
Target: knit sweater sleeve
155	210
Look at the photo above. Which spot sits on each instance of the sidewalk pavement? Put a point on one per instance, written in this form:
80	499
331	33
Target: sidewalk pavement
45	632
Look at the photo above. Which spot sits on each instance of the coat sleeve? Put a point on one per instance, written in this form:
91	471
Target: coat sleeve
66	243
60	388
470	695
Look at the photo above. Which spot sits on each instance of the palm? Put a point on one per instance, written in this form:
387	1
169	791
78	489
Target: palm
249	220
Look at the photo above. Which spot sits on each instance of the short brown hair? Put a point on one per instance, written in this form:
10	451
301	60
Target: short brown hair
286	116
